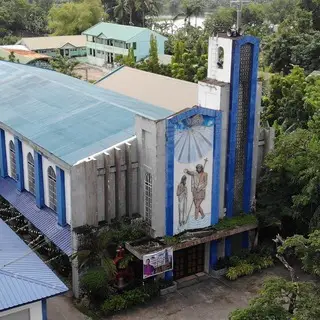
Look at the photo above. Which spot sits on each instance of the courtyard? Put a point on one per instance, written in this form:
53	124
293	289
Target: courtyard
210	299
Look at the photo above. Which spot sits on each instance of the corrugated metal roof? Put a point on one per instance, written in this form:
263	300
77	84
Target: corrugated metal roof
24	277
116	31
172	94
43	219
24	56
53	42
68	117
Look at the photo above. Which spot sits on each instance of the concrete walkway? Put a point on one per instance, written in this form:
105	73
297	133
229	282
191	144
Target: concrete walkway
211	299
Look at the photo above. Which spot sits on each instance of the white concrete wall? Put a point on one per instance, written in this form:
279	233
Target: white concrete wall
209	96
223	74
8	137
25	150
35	311
46	163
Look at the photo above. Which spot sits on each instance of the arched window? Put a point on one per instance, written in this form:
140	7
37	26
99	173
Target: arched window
220	58
13	167
148	196
52	182
31	173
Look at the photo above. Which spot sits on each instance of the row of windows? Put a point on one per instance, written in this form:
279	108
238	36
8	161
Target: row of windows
52	180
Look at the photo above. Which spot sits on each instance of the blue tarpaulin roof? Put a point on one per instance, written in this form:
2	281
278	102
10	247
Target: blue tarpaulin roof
68	117
24	277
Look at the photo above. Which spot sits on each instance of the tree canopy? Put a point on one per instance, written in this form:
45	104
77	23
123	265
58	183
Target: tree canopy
75	17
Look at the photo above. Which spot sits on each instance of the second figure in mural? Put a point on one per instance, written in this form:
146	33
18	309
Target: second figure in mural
199	180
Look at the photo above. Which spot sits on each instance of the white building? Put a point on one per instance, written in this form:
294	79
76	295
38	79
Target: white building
79	154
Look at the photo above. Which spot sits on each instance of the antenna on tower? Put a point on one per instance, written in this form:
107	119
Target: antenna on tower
236	30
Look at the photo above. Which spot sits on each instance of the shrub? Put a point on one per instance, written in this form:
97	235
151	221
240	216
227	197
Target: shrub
95	284
130	298
247	265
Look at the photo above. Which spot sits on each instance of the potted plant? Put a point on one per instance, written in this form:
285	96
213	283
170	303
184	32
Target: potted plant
220	268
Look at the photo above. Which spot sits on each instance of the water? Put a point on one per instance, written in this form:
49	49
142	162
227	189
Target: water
179	23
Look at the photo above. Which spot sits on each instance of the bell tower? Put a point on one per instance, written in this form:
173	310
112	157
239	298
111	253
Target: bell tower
233	71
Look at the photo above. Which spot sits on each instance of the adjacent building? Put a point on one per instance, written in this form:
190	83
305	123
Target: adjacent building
73	154
106	41
67	46
150	87
26	281
23	55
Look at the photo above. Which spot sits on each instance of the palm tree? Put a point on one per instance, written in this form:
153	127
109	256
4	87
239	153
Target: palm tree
120	10
130	5
191	8
151	7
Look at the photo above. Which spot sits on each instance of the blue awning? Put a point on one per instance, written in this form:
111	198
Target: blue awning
45	220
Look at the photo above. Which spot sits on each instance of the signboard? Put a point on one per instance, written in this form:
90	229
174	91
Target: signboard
157	262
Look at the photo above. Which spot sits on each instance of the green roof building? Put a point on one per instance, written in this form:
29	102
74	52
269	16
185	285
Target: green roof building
106	41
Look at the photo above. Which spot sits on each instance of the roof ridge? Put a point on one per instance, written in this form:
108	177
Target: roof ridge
38	282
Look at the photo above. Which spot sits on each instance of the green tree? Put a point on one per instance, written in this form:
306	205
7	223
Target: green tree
12	57
75	17
220	20
306	249
152	7
130	59
153	60
120	11
280	299
64	65
278	10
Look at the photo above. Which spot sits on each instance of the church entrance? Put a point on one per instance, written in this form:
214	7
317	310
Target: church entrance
188	261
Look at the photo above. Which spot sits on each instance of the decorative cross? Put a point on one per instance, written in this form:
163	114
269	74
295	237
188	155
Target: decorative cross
239	4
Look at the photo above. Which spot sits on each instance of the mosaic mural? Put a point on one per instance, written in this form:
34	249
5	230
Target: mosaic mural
193	160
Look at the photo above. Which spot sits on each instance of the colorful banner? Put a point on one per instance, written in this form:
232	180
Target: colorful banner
157	262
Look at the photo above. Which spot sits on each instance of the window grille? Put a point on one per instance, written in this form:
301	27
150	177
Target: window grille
148	196
13	166
31	179
52	182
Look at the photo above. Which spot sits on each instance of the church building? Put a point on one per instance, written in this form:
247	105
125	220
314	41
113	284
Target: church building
74	154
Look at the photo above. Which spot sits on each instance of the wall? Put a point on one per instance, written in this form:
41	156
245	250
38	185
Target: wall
143	44
104	186
25	150
8	137
35	311
46	162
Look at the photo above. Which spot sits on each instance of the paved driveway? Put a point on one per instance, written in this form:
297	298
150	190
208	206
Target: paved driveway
211	299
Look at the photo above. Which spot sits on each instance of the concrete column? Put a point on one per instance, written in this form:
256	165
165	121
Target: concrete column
75	267
61	197
38	175
228	247
245	240
44	309
19	164
213	253
3	155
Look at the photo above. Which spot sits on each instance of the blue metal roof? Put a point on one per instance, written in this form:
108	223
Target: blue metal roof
68	117
24	277
45	220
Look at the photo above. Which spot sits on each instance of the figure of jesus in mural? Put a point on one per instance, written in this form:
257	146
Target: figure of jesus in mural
199	180
182	194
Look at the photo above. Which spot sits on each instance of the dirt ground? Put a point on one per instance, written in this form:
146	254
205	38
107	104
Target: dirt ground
94	73
211	299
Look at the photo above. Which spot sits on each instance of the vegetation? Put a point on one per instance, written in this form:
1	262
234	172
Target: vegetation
280	299
247	265
64	65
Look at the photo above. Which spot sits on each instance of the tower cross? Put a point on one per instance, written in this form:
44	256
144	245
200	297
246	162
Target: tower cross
239	4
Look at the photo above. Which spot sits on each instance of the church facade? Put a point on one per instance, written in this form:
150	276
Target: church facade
97	155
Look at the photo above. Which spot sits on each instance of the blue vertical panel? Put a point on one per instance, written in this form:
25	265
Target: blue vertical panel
168	275
251	126
61	197
213	253
215	198
169	177
234	92
38	175
228	247
245	240
19	164
44	309
3	155
231	155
